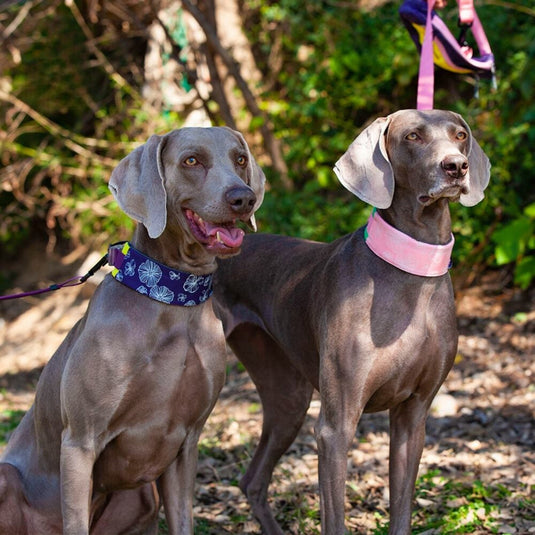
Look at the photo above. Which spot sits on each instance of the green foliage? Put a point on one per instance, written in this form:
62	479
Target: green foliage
505	123
515	242
67	121
50	71
320	216
341	66
9	419
328	69
335	72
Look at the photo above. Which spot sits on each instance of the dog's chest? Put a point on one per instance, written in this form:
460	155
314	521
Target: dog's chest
411	346
174	379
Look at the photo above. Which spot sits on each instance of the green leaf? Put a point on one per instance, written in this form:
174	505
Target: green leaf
530	211
525	271
512	240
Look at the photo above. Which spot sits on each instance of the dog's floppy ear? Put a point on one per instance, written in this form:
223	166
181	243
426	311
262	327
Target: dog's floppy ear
255	178
137	185
479	172
257	182
365	170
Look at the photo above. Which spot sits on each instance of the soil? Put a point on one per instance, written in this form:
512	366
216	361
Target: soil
481	427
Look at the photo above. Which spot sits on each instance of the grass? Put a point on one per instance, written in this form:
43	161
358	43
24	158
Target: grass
296	508
451	506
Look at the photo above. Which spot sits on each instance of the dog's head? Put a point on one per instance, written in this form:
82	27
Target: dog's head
199	181
433	153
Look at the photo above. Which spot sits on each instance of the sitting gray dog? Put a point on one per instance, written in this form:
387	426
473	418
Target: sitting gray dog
123	400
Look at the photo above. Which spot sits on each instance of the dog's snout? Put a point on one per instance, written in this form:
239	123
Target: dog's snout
241	199
455	165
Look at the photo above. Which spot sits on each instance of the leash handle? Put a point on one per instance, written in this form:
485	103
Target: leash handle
466	11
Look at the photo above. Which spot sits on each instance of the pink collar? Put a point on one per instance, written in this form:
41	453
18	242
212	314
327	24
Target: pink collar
404	252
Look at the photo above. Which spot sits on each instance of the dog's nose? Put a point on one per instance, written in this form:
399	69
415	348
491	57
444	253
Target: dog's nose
241	199
455	165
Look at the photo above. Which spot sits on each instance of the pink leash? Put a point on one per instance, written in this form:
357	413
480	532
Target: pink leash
468	17
426	73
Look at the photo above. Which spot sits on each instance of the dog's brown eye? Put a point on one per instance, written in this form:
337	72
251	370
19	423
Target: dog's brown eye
241	161
461	136
191	161
412	136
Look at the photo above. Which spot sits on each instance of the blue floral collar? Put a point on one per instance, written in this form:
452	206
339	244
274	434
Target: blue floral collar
148	277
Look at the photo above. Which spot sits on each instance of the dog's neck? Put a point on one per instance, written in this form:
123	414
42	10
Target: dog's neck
427	224
175	250
404	252
151	278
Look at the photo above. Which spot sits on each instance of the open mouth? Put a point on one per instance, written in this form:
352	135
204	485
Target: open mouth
218	238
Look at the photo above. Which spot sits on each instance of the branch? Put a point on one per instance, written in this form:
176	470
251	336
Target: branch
108	67
513	6
72	141
17	21
271	143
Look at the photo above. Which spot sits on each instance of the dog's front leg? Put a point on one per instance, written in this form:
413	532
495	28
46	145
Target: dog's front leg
177	484
76	467
335	431
407	438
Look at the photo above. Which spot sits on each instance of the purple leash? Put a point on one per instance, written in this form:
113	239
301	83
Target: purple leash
73	281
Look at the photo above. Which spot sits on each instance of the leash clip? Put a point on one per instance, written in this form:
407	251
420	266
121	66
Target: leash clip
102	262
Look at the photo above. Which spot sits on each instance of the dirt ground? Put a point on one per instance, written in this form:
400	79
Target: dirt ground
482	425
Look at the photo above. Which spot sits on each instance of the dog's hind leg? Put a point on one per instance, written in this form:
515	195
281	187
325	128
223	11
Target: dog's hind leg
129	511
12	501
285	395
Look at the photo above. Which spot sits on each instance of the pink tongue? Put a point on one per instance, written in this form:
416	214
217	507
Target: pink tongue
231	237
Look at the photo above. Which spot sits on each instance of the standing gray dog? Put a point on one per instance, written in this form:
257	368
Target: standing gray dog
123	400
367	320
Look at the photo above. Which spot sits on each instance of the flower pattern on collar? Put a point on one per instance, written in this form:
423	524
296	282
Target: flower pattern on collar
157	281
